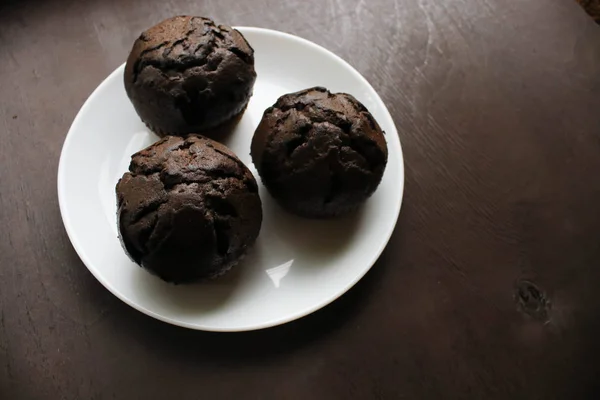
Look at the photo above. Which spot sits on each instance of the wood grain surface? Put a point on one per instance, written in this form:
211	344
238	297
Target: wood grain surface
489	288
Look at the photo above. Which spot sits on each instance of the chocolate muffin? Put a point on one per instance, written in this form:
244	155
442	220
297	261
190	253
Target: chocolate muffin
319	154
189	75
188	209
592	7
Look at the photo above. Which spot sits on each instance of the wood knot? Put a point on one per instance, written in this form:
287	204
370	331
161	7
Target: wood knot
532	300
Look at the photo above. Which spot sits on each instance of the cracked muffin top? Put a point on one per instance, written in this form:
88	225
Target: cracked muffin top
188	209
189	75
319	154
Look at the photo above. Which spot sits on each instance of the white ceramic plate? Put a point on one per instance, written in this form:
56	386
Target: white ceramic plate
296	267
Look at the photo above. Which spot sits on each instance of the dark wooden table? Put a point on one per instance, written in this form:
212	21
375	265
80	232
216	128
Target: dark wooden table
489	289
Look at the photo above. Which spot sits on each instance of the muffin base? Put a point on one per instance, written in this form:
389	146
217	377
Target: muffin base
218	133
209	278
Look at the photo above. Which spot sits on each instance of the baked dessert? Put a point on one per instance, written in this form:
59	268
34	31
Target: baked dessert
319	154
592	7
188	209
189	75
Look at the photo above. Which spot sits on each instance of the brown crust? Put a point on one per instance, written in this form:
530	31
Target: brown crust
188	209
319	154
189	75
592	7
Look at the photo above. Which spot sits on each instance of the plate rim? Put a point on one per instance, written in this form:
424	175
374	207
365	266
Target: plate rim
61	189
